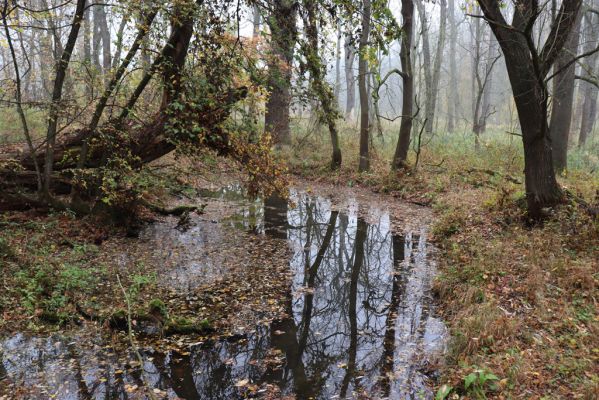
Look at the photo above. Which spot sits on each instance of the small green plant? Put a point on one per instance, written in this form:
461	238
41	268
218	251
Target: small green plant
443	392
479	381
138	282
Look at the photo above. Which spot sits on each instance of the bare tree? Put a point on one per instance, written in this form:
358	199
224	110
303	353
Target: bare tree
18	94
61	70
317	71
405	129
432	68
527	68
362	79
453	79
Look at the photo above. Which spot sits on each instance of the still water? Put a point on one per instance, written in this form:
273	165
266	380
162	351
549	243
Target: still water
361	322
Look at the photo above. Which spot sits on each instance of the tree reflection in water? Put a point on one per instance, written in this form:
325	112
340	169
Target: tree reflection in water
359	321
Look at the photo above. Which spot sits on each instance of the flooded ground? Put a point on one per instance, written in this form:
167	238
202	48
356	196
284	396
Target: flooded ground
359	321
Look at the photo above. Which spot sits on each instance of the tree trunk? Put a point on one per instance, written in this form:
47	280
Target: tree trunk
106	43
432	103
452	97
337	66
282	24
405	128
563	99
101	105
87	51
362	77
432	68
322	89
18	95
61	70
590	91
527	68
350	80
256	21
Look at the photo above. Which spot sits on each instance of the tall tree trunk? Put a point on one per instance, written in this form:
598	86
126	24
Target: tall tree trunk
563	99
61	70
590	91
405	128
322	89
104	32
282	24
18	95
486	102
337	88
257	19
87	51
119	41
452	97
96	35
527	69
427	64
362	77
436	76
350	80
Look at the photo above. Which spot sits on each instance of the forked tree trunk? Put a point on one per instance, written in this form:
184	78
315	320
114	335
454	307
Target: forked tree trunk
405	128
61	71
527	69
364	100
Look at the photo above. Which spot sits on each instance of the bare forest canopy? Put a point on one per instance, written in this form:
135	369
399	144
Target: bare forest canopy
93	91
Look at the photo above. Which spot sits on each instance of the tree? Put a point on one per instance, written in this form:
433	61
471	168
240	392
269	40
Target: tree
350	80
61	71
432	68
317	72
589	90
283	37
452	97
405	129
527	69
563	99
481	81
364	97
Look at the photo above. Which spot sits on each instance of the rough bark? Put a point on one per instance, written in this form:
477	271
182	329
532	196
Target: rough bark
350	80
282	24
527	68
405	129
362	78
563	100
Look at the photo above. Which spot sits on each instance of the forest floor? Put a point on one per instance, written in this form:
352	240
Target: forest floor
521	301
